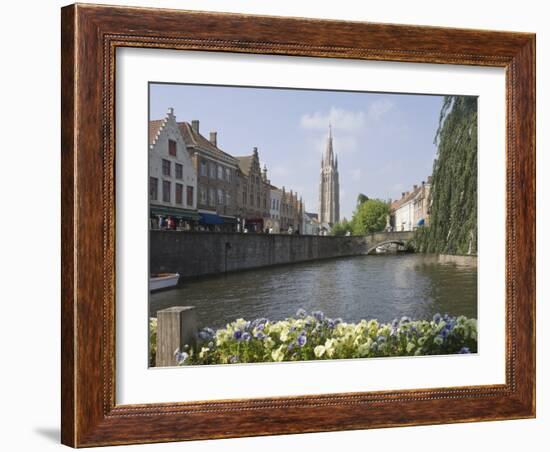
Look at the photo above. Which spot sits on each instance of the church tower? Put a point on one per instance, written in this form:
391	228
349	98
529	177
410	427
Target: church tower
329	187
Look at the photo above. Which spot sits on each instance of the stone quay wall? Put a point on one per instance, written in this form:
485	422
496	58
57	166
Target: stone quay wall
194	254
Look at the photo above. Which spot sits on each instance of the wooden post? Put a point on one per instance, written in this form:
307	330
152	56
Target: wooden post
176	327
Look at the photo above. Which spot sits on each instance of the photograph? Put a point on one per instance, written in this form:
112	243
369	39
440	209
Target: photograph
299	224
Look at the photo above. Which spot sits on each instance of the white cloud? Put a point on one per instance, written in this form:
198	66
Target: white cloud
379	108
342	120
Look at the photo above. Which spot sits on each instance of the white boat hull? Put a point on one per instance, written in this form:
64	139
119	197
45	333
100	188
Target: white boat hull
163	281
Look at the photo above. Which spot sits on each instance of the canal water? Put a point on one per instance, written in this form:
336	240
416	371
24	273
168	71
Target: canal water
355	288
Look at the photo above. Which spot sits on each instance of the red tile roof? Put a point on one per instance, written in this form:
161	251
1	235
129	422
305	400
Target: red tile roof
193	138
405	199
245	162
154	128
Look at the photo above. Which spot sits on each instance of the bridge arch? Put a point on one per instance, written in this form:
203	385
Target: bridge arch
371	248
377	239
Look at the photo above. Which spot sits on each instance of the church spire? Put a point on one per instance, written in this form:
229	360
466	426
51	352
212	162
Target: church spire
329	186
329	154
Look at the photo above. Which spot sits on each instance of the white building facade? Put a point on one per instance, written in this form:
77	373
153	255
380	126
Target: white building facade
311	224
412	210
274	222
404	216
172	178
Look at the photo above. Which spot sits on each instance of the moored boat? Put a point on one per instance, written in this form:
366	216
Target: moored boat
163	281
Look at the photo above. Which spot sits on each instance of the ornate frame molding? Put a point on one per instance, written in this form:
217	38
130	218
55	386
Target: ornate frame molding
90	37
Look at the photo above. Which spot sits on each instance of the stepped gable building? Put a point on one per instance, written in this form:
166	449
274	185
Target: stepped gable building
291	212
172	177
217	179
329	186
253	193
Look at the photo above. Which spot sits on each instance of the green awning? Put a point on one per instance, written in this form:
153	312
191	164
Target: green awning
184	214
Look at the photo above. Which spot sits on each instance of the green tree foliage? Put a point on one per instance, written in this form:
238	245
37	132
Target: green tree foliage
370	216
342	228
453	219
361	198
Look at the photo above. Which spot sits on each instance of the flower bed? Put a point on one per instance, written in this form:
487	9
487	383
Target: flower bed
316	337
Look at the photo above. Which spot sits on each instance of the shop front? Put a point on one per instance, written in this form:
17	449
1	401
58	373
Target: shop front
254	225
213	222
173	218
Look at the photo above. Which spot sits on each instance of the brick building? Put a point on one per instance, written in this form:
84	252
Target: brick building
253	193
217	179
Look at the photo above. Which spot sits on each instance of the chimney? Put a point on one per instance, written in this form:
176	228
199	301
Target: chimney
213	138
255	149
195	125
423	183
403	194
415	187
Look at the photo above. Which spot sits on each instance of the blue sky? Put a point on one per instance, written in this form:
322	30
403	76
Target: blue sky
384	142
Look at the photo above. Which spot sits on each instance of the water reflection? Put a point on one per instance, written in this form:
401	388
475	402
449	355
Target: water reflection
381	287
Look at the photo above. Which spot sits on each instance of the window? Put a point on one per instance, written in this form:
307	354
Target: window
227	199
265	203
258	201
203	168
172	147
213	171
203	195
153	188
251	200
227	174
211	197
166	186
220	196
179	171
166	167
220	172
179	194
244	198
189	195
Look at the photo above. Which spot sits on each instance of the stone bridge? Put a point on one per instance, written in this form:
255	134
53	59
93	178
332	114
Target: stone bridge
383	238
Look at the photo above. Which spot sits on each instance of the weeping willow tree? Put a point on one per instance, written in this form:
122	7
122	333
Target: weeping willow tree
453	218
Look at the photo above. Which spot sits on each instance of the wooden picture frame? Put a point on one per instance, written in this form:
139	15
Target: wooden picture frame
90	36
